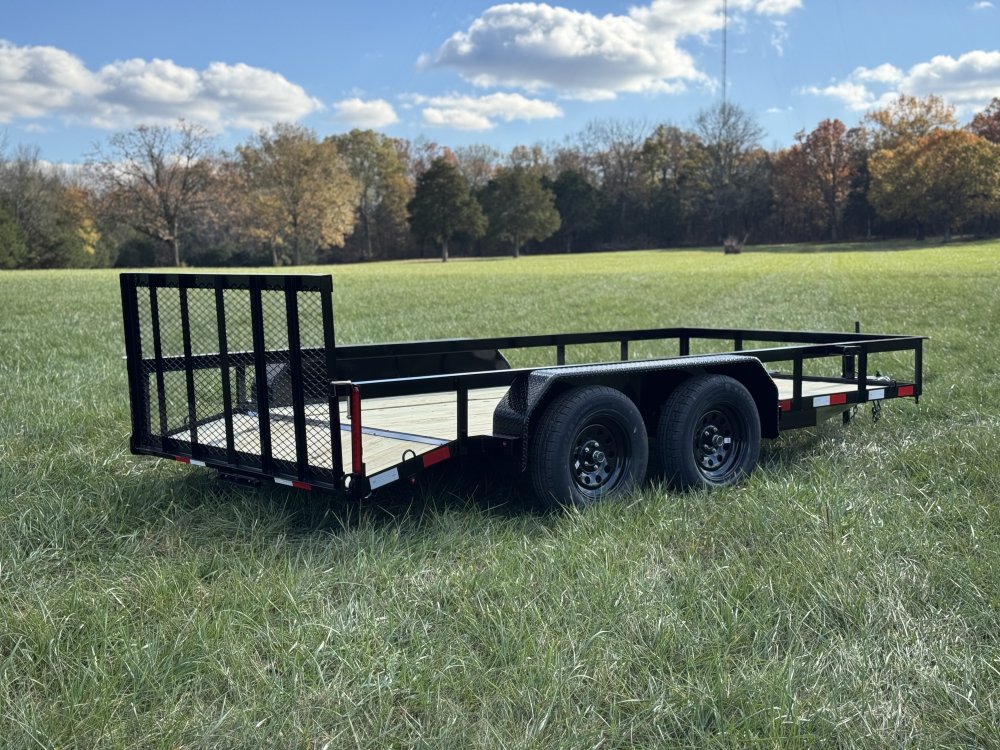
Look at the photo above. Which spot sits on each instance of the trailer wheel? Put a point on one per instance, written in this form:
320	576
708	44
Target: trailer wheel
590	445
708	434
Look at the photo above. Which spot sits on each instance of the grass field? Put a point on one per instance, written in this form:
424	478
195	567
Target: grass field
848	595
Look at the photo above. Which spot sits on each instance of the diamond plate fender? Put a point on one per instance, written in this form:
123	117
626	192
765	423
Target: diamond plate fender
530	393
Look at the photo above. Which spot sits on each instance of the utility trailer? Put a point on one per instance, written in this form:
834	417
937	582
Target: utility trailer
241	373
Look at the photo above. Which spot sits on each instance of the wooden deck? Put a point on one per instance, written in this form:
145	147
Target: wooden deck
811	388
396	426
391	427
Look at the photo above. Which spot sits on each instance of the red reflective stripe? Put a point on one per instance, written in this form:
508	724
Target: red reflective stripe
357	464
905	390
436	456
301	485
785	405
838	398
182	459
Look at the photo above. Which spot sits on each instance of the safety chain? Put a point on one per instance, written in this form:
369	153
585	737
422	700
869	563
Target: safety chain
877	405
876	411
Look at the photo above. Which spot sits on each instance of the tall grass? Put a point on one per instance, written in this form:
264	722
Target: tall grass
847	595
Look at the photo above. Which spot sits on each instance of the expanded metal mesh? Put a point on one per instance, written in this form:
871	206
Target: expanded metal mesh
236	372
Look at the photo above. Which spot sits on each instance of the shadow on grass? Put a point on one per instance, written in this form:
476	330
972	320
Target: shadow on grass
476	488
480	490
807	248
199	504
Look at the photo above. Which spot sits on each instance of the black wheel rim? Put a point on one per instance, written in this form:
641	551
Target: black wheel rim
720	442
600	456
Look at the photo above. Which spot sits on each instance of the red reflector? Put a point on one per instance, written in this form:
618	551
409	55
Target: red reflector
437	456
785	405
838	398
182	459
301	485
905	390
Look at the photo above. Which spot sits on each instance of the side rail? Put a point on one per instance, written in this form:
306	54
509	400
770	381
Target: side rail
217	375
840	362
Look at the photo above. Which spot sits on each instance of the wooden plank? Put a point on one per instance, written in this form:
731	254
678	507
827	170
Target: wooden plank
430	415
433	414
811	388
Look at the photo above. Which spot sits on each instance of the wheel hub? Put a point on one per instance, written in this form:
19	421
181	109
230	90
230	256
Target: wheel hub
595	460
714	448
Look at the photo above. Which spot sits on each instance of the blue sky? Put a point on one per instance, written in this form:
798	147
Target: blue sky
459	71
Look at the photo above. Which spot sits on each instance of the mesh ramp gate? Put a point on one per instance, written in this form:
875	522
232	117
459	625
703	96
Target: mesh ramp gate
235	371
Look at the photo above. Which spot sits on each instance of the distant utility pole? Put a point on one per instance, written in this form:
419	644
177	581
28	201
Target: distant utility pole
725	28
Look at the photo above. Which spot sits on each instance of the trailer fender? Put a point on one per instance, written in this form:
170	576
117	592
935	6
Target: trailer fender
647	382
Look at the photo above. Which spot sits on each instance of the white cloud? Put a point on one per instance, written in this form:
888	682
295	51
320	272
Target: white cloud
42	81
983	5
534	46
884	73
776	7
358	113
779	36
36	80
481	113
854	95
969	82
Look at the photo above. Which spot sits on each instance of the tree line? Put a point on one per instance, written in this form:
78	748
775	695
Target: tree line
159	195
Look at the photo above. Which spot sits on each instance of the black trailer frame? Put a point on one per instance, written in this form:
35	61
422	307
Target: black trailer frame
220	362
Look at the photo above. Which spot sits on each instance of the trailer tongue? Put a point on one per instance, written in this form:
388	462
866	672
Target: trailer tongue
241	373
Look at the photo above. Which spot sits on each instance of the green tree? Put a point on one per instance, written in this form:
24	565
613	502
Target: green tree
300	192
614	151
13	246
579	205
155	179
373	162
670	158
56	218
442	206
520	208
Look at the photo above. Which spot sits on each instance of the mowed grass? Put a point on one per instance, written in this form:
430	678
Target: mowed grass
848	595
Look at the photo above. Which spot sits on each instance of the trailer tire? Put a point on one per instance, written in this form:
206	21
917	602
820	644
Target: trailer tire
590	444
708	433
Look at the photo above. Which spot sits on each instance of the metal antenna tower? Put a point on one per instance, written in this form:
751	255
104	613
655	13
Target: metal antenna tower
725	55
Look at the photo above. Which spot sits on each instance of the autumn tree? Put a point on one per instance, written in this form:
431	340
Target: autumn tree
442	206
416	156
908	119
155	178
799	211
56	219
819	168
520	208
529	158
372	160
301	193
477	163
946	177
986	124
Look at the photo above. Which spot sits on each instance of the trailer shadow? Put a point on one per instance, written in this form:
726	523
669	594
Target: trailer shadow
206	502
478	490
